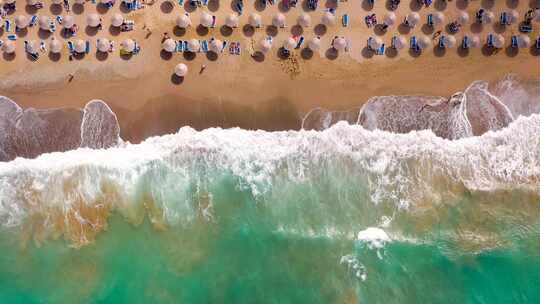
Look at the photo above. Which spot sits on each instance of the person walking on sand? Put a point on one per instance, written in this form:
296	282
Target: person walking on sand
203	67
70	77
165	37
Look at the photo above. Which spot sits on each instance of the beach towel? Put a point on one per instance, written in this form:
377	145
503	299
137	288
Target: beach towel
12	37
33	21
414	44
430	20
8	26
538	43
489	40
223	46
180	46
465	43
380	50
345	20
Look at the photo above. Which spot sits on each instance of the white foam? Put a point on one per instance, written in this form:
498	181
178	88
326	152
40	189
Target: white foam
374	237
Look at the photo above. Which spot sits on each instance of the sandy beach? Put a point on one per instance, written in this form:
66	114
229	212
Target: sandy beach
272	93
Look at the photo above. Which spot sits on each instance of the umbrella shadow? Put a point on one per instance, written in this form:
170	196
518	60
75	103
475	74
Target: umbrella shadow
42	34
77	8
179	31
477	27
102	56
487	4
306	53
258	56
20	33
283	54
9	56
189	55
379	29
367	53
101	8
320	29
211	55
202	30
166	7
389	6
226	31
55	9
488	51
391	52
414	53
415	5
403	29
462	4
511	51
248	30
463	52
188	7
512	3
165	55
439	51
55	57
499	28
440	5
213	5
90	31
297	30
331	53
427	30
367	5
114	31
271	30
30	9
177	80
259	5
282	7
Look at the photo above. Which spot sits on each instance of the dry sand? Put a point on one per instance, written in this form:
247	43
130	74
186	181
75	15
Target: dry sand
234	90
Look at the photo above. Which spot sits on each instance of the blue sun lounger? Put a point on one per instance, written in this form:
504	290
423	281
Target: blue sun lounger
369	40
525	28
204	46
514	41
380	50
414	44
70	47
33	56
430	20
87	49
33	21
180	46
12	37
8	26
300	42
465	43
538	43
59	19
204	2
345	20
504	19
239	7
489	41
442	42
181	3
224	45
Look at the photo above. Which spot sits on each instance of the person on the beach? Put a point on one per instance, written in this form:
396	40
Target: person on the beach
436	34
70	77
203	67
165	37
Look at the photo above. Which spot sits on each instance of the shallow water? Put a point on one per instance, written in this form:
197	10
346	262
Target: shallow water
343	215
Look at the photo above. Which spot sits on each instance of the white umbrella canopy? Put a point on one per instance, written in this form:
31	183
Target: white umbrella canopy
231	20
289	44
278	20
92	20
80	1
474	41
68	22
438	18
103	45
524	41
400	43
128	45
56	1
488	17
44	23
254	20
340	44
328	19
265	45
127	1
31	2
183	21
424	42
169	45
498	41
79	46
206	19
304	20
32	47
514	16
389	18
193	45
463	18
21	21
9	47
216	46
55	46
375	43
413	18
450	41
181	70
117	20
9	1
314	44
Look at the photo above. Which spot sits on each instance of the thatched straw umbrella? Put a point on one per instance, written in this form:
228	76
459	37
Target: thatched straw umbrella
181	70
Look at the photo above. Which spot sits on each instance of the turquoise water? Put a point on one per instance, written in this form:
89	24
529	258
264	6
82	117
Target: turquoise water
232	216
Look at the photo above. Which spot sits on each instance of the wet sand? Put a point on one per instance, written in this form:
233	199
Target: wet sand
271	93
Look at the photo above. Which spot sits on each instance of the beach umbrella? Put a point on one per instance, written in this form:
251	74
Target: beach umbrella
463	18
536	15
169	45
117	20
498	41
424	42
524	41
56	1
80	1
44	23
21	21
390	18
9	46
400	42
340	44
55	46
314	44
128	45
488	17
68	21
328	19
206	19
304	20
450	41
265	45
474	41
514	16
103	45
231	20
93	20
278	20
438	18
193	45
126	1
9	1
80	46
254	20
181	70
216	46
413	18
375	43
289	44
32	47
183	21
31	2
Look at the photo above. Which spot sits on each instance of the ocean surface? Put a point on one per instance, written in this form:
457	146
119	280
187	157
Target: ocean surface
404	200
